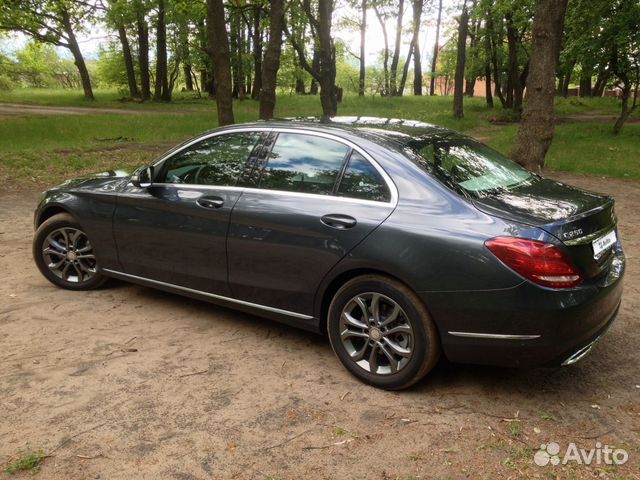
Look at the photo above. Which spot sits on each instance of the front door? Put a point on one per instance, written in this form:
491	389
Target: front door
175	231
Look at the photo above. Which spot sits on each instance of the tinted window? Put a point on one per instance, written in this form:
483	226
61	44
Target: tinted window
362	180
303	163
470	166
215	161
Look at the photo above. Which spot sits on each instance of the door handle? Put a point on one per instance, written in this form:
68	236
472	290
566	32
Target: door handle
210	202
339	221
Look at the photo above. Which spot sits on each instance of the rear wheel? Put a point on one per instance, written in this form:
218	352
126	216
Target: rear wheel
382	333
64	254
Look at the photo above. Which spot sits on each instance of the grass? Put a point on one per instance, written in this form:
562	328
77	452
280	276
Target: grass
515	429
46	149
28	461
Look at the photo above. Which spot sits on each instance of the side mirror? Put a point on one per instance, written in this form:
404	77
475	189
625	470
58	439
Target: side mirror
142	178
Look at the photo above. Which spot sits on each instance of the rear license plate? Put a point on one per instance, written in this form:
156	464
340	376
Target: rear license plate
603	243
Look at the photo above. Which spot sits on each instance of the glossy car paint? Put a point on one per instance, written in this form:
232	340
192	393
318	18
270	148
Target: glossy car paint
269	253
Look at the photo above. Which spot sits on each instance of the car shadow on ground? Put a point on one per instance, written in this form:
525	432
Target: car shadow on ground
560	384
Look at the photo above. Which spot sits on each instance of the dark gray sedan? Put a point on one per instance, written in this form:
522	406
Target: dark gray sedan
399	239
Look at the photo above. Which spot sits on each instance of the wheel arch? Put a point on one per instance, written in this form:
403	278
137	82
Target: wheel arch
340	279
49	211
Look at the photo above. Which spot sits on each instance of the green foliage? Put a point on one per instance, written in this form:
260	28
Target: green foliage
28	460
110	68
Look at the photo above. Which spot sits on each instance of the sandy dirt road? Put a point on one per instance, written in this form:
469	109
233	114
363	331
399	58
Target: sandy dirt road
128	382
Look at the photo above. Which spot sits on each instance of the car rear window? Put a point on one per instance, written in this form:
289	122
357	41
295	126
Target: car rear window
468	166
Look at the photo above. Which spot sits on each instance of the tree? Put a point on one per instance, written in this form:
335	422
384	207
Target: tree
161	91
327	80
436	48
625	55
142	29
535	132
324	71
118	15
272	60
53	22
363	34
417	62
463	27
218	48
396	49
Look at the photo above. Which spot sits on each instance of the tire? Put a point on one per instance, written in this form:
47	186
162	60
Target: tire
401	322
52	254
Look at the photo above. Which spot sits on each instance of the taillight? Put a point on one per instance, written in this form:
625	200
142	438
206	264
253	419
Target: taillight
542	263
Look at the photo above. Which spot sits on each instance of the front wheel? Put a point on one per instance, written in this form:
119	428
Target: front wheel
382	333
64	255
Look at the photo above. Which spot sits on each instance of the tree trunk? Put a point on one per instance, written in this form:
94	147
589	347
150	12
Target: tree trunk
218	49
436	48
143	56
395	60
417	63
185	55
385	61
161	92
566	80
627	109
469	86
272	60
494	59
257	53
585	85
315	65
405	70
535	132
363	33
470	80
128	61
188	79
327	60
487	87
463	27
513	83
78	59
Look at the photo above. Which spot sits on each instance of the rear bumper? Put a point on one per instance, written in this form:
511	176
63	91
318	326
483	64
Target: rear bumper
526	326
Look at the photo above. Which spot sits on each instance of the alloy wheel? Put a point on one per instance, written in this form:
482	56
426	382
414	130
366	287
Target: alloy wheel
68	253
376	333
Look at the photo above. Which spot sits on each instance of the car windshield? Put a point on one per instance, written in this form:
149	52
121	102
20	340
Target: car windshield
468	166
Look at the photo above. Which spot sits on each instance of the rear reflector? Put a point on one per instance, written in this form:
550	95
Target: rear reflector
542	263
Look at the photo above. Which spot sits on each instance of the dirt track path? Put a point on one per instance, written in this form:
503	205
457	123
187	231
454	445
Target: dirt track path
24	109
131	382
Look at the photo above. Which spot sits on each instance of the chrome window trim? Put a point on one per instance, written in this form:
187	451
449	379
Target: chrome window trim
495	336
393	190
210	295
351	200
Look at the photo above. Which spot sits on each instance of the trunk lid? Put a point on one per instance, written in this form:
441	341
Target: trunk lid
574	216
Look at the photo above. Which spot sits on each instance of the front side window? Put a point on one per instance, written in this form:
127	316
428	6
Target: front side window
214	161
362	180
304	163
469	166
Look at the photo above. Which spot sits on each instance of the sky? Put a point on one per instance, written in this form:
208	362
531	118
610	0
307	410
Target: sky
95	36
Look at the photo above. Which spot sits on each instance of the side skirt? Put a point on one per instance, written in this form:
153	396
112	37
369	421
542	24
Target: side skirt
298	320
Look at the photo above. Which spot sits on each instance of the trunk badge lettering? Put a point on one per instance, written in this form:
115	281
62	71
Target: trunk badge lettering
572	234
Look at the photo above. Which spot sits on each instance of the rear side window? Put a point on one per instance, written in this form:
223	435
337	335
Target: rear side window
362	180
214	161
304	163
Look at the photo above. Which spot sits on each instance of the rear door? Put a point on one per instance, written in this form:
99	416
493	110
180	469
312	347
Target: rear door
175	231
314	200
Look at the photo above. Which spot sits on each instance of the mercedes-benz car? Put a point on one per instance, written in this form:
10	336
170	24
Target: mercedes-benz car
399	240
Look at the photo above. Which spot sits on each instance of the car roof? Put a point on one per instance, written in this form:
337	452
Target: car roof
395	131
